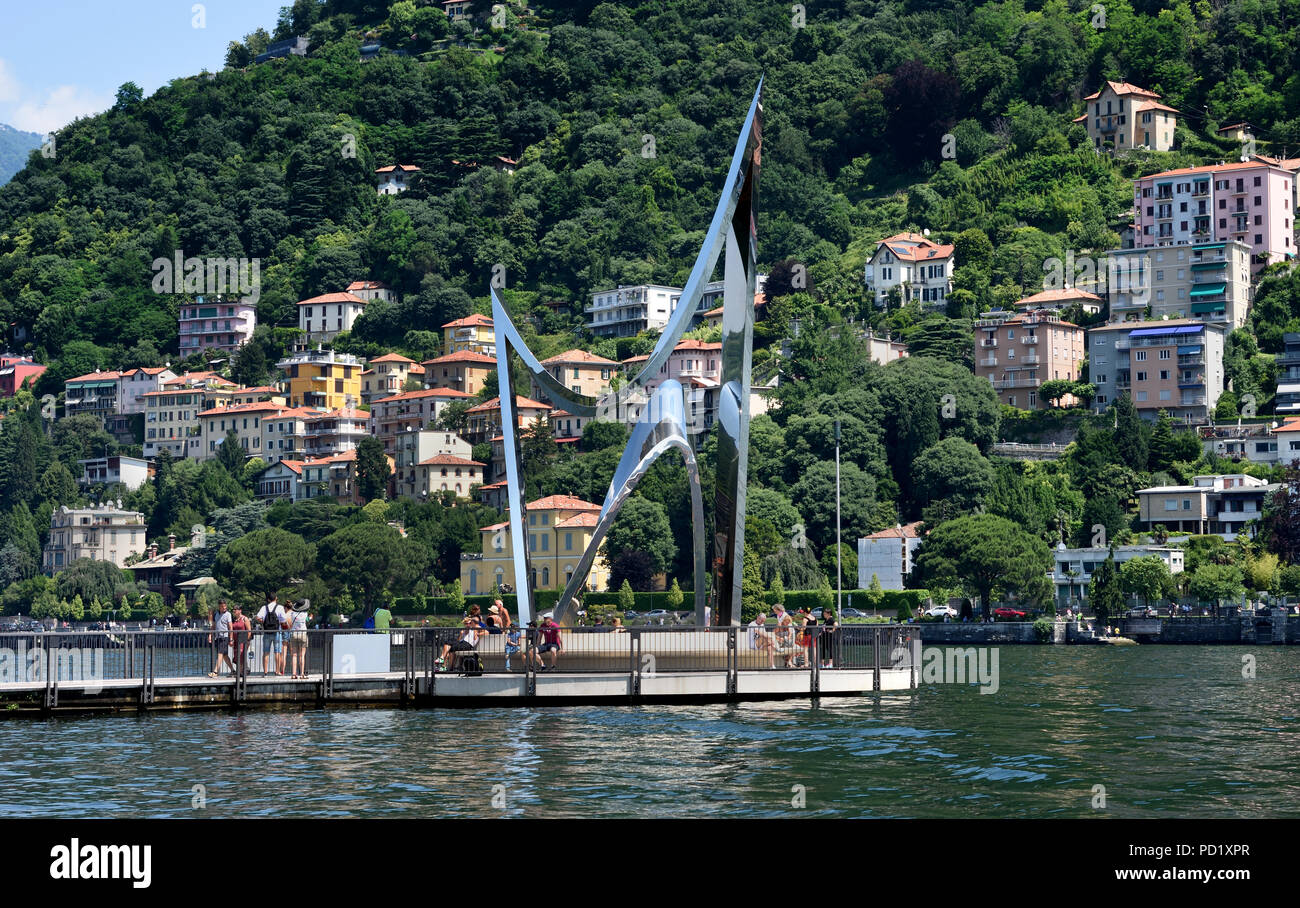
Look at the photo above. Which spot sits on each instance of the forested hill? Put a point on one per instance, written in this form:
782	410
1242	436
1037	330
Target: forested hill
15	145
622	118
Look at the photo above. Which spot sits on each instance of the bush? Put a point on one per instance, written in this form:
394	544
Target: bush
1043	627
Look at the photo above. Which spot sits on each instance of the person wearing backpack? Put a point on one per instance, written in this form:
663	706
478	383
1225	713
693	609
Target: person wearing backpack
272	621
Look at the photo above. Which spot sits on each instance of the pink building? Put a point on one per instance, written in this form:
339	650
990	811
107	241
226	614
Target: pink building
1251	202
207	325
1018	353
15	371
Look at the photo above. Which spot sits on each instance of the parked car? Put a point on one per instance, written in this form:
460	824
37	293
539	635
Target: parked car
852	613
939	611
629	614
1009	613
1148	611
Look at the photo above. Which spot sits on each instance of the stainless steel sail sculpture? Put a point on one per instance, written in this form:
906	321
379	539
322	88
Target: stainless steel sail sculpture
663	425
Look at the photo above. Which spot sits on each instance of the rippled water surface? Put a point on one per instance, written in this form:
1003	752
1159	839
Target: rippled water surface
1169	731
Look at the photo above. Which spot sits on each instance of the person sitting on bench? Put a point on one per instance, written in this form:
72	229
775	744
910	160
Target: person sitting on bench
468	642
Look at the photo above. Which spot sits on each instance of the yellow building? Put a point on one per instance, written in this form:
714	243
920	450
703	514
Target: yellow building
474	332
580	371
322	379
560	528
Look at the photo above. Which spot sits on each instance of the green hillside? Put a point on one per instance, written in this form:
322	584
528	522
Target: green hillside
15	146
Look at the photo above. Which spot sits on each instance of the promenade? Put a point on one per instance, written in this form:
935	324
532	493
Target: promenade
169	670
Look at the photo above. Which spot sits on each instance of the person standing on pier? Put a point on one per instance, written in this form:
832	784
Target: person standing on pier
220	637
240	626
271	619
298	638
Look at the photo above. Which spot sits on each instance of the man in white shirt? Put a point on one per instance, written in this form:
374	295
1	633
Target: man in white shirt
760	639
270	619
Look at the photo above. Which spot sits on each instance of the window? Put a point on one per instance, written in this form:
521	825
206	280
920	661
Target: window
1141	356
1141	376
1166	395
1164	375
1164	354
568	542
1187	504
1171	505
1142	396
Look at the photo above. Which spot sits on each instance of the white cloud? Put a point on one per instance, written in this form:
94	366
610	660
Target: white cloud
60	107
23	109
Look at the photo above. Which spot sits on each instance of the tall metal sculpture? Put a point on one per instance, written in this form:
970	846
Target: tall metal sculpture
662	425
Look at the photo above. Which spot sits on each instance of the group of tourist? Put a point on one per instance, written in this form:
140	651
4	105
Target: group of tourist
793	637
497	621
284	636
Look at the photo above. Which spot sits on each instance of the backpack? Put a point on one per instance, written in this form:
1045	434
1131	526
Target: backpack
471	666
270	622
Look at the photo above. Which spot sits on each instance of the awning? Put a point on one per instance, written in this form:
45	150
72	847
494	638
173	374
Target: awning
1207	266
1188	351
1202	308
1209	290
1154	332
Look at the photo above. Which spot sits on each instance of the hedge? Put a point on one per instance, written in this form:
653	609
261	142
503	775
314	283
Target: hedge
646	602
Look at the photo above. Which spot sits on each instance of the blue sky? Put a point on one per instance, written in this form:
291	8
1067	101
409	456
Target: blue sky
61	59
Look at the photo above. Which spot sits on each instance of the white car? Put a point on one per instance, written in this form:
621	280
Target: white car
941	611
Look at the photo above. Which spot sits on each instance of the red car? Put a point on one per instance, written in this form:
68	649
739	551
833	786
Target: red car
1005	612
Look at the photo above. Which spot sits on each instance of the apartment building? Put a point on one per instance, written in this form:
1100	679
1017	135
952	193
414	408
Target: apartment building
322	318
94	393
484	420
463	370
1208	282
1018	352
1056	300
134	384
559	530
581	372
322	379
387	375
1121	116
17	372
1252	202
131	472
246	422
215	325
474	333
887	556
1174	365
1250	442
412	447
331	432
1287	401
1073	568
627	311
1223	505
393	416
912	262
101	533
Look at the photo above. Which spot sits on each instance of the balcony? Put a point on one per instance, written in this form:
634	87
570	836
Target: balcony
989	343
1194	359
1201	191
1016	383
1029	339
989	361
1196	381
1123	384
1032	360
1192	402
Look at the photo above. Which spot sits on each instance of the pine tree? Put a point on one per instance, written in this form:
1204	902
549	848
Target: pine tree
626	598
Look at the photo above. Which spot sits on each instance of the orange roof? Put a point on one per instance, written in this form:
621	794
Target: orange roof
96	376
334	458
190	378
1122	88
562	503
578	356
272	389
334	298
1207	169
1154	105
295	465
521	403
427	392
367	285
259	407
393	358
340	413
1292	425
906	531
462	356
697	345
585	519
470	321
450	460
914	247
391	167
1053	296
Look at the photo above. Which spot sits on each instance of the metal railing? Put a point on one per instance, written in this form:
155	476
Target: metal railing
99	659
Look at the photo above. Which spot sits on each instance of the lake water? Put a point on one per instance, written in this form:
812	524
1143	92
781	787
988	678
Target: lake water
1168	731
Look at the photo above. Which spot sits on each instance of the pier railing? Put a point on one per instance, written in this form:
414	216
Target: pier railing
85	658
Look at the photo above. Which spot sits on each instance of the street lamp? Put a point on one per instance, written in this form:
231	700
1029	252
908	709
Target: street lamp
839	551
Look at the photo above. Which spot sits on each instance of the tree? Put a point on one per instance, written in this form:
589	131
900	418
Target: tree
1280	525
1131	434
372	469
675	596
988	554
230	453
370	562
1217	582
94	579
875	593
952	470
626	598
1147	577
262	562
456	597
632	566
1105	594
642	526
